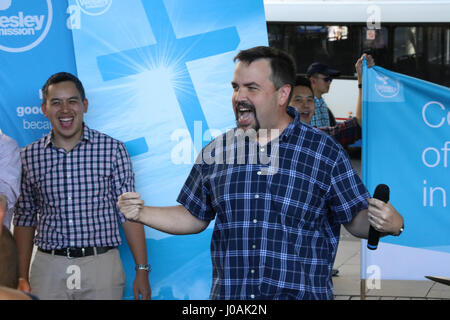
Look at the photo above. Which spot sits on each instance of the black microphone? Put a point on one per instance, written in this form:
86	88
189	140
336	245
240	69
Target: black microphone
381	193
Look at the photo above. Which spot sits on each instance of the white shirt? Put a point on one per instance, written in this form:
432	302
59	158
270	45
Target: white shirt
10	174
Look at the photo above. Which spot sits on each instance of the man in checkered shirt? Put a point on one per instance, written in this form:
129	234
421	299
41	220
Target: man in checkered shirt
71	180
277	222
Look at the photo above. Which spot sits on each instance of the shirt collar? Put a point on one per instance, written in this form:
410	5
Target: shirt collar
292	112
86	136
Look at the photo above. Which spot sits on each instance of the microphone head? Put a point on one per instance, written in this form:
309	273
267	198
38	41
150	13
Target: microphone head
381	193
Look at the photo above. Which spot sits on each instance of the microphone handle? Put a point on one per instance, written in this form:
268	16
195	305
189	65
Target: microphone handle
381	193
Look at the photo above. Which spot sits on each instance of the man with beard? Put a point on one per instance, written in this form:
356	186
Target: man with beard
276	231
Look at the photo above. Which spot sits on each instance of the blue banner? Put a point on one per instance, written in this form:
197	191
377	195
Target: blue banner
35	43
157	75
406	144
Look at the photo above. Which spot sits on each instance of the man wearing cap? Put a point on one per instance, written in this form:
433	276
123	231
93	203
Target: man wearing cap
320	77
346	132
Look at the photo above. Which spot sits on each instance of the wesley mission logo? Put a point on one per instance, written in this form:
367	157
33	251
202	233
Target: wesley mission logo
24	24
386	87
94	7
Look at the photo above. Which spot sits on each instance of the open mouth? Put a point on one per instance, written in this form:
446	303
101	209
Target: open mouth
245	114
66	122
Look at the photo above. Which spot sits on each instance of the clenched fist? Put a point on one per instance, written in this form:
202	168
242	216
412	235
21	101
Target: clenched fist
130	204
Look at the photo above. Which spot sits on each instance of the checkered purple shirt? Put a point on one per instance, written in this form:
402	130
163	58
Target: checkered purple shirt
70	197
276	236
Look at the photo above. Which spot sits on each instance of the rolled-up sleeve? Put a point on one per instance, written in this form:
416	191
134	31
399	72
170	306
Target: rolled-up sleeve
123	175
27	206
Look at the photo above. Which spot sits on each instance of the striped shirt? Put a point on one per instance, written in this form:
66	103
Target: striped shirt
70	197
276	235
321	117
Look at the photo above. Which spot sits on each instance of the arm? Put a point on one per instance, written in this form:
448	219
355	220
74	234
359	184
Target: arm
382	216
3	207
174	220
346	132
358	67
134	232
135	235
24	237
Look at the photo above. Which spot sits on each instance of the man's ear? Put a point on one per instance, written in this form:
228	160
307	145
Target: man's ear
283	94
44	108
86	104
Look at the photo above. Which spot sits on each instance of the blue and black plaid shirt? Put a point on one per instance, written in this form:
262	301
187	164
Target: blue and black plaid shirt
276	235
321	117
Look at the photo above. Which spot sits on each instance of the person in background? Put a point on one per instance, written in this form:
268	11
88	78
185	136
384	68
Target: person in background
71	180
10	172
320	76
346	132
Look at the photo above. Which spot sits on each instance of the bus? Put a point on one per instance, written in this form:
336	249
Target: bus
411	37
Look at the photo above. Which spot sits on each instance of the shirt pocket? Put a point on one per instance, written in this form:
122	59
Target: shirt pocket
299	205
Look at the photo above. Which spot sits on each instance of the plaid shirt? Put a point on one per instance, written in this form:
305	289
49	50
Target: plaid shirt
276	236
70	197
320	117
346	132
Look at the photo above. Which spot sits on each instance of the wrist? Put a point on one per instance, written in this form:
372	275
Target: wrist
399	232
147	268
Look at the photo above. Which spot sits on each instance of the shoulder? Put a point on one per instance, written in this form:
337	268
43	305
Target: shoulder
6	141
97	137
34	147
315	140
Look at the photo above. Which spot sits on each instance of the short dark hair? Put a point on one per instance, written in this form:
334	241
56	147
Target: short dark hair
282	64
61	77
302	81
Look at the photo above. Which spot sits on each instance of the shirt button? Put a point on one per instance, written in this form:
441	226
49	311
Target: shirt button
254	246
252	296
252	271
259	173
255	221
256	196
70	221
262	149
69	175
72	244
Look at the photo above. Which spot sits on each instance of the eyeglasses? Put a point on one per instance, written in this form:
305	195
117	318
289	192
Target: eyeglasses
326	79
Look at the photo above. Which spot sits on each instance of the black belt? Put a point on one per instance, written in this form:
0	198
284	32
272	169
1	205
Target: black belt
77	252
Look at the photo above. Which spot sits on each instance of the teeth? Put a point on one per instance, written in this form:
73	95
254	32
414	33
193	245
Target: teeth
66	119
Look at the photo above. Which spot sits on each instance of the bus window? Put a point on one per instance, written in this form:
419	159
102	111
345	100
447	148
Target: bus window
408	55
438	52
335	45
376	42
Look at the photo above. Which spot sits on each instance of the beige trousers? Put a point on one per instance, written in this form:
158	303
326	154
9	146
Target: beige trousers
97	277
